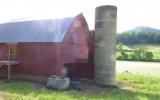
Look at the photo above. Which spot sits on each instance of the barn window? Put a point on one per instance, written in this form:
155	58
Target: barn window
13	51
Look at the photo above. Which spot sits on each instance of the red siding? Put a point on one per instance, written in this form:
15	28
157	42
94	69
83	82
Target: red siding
37	58
75	44
81	48
79	39
66	52
3	56
3	52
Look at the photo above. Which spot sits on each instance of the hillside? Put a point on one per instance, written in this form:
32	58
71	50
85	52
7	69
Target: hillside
142	29
140	35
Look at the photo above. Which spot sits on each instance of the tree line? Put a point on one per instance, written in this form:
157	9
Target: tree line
139	38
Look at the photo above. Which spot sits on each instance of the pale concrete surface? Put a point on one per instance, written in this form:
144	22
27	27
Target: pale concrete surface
104	44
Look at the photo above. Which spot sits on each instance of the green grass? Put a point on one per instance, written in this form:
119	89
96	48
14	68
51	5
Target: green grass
140	88
156	55
154	48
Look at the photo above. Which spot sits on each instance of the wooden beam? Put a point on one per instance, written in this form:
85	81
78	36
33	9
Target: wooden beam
9	71
9	66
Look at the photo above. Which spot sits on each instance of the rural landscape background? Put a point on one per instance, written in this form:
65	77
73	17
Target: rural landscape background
141	44
138	76
137	49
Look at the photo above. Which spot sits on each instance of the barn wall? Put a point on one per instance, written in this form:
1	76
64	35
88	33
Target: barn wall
37	59
79	38
3	51
3	56
75	44
91	46
77	49
66	52
3	71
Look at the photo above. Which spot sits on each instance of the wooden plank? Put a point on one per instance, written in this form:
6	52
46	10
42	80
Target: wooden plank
5	62
9	71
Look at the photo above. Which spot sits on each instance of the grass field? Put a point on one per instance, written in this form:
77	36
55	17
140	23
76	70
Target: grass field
136	67
155	48
132	87
152	47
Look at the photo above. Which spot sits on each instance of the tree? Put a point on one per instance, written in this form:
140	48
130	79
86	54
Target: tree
123	55
135	38
148	56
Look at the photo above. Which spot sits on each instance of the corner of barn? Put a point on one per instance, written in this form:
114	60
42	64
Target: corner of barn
78	46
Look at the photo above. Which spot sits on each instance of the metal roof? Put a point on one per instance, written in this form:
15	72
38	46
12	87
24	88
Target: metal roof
35	31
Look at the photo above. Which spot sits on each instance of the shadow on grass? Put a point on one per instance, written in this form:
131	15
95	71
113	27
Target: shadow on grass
21	88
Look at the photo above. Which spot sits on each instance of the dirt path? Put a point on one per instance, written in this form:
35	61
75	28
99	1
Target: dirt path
146	68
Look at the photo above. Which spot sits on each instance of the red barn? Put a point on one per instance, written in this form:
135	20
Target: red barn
44	47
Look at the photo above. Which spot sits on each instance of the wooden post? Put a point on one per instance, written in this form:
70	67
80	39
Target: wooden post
9	66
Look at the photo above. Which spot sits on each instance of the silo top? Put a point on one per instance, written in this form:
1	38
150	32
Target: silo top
106	12
109	7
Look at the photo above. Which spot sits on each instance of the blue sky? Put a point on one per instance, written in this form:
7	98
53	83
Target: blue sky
131	13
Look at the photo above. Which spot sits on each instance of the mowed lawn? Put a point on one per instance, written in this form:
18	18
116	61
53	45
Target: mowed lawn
135	67
129	87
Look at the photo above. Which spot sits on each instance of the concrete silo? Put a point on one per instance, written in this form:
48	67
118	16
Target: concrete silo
104	45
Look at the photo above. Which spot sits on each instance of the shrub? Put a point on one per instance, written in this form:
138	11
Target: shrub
148	56
140	54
